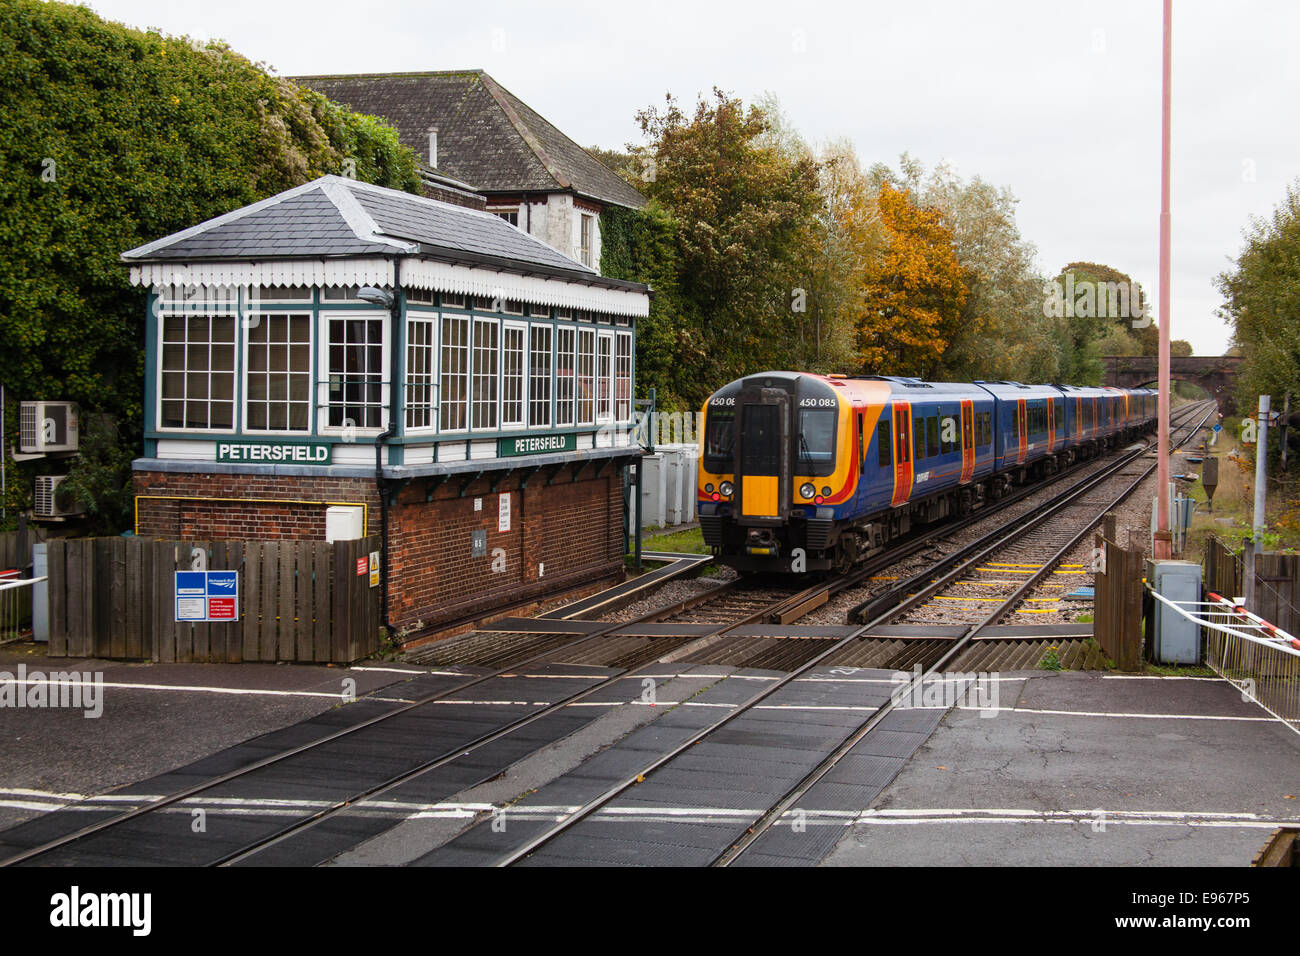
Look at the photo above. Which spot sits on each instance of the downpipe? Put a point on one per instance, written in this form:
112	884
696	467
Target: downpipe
381	440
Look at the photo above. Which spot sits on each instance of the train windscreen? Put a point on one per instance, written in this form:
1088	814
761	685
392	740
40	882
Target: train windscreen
720	440
816	441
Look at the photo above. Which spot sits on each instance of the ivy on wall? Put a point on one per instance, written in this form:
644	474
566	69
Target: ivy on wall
112	137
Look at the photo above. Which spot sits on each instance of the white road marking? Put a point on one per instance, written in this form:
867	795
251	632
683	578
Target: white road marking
1100	713
893	816
189	688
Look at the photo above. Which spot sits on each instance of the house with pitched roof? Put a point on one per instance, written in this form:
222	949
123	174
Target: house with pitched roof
472	133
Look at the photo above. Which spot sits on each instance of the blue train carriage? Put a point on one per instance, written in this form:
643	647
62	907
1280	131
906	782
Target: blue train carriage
1030	431
811	472
1088	411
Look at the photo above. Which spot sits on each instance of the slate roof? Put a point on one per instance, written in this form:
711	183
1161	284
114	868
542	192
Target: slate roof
337	217
487	136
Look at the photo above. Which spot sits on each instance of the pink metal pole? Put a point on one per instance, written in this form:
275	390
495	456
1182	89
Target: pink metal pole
1163	539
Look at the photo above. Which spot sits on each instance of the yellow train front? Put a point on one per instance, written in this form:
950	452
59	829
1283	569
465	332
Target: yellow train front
780	462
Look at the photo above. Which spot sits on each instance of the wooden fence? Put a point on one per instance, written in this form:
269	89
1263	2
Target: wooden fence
1223	569
298	601
1277	583
16	603
1117	596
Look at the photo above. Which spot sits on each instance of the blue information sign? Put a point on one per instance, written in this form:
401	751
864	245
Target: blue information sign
207	596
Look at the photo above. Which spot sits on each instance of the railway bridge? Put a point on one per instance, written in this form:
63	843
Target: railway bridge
1214	373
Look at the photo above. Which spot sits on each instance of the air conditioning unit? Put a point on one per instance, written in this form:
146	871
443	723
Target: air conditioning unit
52	501
47	427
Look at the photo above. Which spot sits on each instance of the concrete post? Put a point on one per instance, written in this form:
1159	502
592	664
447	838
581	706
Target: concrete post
1261	474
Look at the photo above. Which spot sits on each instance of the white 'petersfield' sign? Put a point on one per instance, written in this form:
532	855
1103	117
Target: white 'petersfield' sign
274	452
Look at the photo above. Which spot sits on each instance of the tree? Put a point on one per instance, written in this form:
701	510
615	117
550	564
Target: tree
852	238
1003	333
1262	302
745	218
1098	311
913	292
111	137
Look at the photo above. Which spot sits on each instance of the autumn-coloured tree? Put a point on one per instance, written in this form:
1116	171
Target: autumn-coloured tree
913	292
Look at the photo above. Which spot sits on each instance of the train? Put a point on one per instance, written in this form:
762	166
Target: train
800	472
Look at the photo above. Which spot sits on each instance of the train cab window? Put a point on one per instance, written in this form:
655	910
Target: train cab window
816	441
720	440
932	435
884	449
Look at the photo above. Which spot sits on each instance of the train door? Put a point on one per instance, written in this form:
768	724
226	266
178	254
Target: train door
902	413
1051	424
1022	428
967	440
763	455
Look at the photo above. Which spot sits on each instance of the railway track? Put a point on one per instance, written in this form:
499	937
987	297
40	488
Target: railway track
720	732
536	677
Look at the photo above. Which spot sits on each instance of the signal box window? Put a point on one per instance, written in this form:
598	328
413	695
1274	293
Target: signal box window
198	371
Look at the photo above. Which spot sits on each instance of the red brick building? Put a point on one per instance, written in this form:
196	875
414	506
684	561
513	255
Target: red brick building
403	367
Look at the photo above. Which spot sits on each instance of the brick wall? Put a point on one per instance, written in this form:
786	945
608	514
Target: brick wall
289	507
562	535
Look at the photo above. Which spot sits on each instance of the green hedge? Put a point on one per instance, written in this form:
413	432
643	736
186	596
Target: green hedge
112	137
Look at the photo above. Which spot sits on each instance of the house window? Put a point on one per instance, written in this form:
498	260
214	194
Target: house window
486	366
565	368
539	376
623	378
198	371
585	248
277	380
356	372
512	374
454	391
604	377
421	369
509	215
585	379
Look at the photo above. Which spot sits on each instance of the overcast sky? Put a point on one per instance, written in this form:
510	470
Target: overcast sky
1058	101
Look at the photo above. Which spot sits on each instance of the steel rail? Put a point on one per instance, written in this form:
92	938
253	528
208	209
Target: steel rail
198	788
805	784
781	605
1022	526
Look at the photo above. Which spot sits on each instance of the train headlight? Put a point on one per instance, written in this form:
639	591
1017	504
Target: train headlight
807	490
726	488
708	489
826	492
